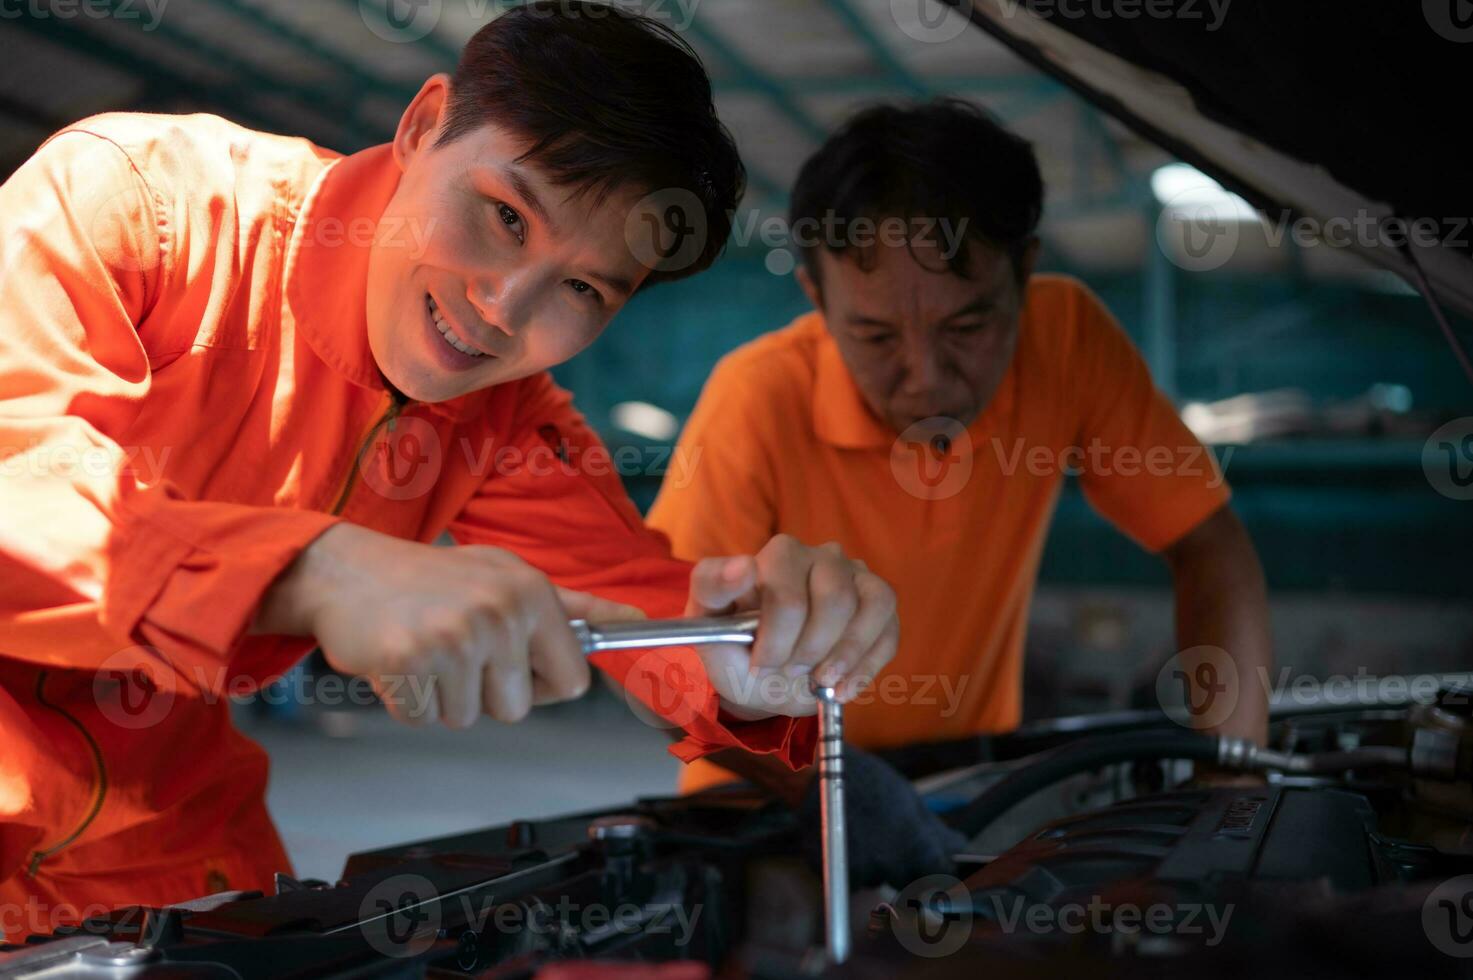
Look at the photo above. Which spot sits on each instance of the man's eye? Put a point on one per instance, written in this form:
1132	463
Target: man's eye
875	339
510	218
967	329
584	289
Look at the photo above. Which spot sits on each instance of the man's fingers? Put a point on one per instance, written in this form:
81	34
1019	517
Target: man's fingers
783	565
458	689
553	652
870	665
595	609
718	584
875	615
506	692
833	599
408	698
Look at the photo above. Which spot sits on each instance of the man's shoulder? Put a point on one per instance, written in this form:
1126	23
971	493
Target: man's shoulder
200	150
780	358
1059	299
1063	319
768	379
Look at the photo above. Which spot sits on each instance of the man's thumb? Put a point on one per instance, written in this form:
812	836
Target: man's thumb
582	605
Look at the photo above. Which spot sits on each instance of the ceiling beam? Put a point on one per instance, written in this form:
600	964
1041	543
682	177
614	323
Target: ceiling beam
145	69
249	74
753	79
361	79
900	75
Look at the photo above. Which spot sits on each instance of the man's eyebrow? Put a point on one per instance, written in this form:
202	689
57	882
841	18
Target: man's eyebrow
617	283
519	183
982	304
862	320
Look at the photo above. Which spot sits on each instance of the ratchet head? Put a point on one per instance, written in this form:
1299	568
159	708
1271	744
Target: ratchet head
584	634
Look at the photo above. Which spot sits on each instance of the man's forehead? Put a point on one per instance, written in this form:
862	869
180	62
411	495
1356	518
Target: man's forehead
874	270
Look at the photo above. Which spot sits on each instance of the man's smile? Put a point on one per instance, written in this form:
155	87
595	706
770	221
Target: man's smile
454	350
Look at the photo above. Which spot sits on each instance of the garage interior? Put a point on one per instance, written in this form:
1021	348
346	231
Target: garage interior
1316	374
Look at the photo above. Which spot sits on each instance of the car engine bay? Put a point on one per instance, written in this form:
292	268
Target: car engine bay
1345	851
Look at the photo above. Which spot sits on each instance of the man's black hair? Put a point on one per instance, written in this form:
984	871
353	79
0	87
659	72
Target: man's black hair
607	99
944	159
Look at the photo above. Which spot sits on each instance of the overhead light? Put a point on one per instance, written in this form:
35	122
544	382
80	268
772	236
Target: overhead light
1184	187
644	419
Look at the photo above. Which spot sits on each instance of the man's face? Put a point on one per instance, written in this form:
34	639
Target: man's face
497	274
919	340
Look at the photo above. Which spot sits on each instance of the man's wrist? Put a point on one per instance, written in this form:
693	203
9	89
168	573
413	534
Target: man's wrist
291	605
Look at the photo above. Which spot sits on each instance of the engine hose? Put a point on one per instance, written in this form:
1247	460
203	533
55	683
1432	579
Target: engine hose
1066	760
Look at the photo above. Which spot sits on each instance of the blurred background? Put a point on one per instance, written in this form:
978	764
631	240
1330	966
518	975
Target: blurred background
1316	379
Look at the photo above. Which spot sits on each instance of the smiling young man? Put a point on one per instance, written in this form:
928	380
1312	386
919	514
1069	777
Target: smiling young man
244	379
924	417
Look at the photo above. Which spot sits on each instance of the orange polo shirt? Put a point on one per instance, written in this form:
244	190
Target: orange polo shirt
782	441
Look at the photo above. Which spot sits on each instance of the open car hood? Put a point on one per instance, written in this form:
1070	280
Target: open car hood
1308	109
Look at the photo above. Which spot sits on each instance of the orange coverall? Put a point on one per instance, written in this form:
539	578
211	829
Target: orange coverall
187	399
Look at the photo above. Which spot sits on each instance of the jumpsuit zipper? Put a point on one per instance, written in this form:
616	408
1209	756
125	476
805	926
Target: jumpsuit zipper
396	406
38	856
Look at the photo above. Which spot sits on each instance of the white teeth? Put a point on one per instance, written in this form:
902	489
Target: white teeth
447	333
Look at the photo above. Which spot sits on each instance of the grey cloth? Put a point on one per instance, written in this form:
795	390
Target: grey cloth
893	838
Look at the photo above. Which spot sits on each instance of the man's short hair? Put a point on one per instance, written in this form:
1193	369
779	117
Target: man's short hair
607	99
944	159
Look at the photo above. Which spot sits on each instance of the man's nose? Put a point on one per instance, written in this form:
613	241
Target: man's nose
922	367
501	303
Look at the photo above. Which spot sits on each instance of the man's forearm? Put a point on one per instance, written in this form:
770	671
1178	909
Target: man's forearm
1222	601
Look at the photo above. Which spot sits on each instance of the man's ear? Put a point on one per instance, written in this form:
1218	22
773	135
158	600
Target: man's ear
810	288
421	119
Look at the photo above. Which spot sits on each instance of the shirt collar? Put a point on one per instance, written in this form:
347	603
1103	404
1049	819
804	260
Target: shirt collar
327	270
841	416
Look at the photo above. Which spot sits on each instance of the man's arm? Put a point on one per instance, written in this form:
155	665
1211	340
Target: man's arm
1222	601
97	565
1157	483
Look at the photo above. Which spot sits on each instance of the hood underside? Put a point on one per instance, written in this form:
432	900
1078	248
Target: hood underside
1326	111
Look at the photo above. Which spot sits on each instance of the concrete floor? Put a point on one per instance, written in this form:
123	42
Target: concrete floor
353	779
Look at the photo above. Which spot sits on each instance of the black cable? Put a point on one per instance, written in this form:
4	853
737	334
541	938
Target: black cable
1077	757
